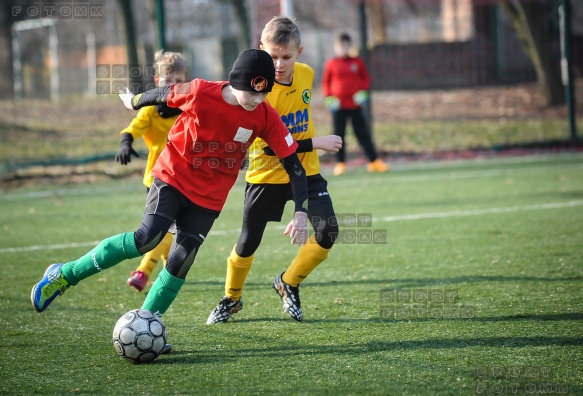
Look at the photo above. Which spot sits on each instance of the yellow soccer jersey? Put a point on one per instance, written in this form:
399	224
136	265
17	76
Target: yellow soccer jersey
154	129
292	102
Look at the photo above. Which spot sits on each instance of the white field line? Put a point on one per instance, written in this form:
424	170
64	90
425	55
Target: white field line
453	175
47	247
480	212
398	176
409	217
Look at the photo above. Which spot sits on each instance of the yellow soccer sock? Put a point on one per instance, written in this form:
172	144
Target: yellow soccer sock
309	257
151	258
237	269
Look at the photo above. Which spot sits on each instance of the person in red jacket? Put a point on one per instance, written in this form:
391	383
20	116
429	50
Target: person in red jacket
345	85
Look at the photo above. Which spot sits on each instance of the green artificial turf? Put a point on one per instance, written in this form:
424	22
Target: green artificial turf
454	278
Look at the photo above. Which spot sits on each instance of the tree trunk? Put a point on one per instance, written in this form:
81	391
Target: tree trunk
244	39
127	20
6	85
533	35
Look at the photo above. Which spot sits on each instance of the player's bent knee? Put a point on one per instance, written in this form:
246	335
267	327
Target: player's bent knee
145	242
327	236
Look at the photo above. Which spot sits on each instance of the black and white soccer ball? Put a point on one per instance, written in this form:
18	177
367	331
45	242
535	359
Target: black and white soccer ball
139	336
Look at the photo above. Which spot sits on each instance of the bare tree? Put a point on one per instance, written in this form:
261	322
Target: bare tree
532	32
6	21
242	16
127	20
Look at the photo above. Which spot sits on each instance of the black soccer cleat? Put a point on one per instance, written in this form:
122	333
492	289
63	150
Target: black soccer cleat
222	313
290	296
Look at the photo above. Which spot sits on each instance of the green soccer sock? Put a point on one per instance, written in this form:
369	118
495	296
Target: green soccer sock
162	293
109	252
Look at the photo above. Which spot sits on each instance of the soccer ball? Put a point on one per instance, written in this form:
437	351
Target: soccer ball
139	336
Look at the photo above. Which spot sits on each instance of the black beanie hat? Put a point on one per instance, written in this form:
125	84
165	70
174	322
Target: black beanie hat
253	71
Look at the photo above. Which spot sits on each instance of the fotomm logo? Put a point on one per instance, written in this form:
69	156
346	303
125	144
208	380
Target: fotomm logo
72	9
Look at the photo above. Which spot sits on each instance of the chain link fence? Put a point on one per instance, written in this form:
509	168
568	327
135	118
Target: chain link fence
430	61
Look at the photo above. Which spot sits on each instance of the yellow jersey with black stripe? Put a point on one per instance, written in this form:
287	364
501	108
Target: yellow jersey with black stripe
149	125
292	103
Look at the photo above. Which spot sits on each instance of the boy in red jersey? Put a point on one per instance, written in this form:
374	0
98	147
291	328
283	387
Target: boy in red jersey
345	82
268	187
193	176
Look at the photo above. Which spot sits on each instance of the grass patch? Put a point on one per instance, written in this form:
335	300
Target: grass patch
502	237
432	136
88	129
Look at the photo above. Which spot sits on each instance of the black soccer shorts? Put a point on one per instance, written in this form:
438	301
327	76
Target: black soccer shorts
266	202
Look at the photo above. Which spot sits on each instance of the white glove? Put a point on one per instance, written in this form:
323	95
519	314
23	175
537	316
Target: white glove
126	98
360	97
332	102
297	229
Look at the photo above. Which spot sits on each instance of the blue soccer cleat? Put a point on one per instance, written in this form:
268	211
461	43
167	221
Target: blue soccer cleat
166	349
52	285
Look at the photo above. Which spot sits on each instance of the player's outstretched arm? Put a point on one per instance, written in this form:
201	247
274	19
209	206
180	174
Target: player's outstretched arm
304	145
331	143
152	97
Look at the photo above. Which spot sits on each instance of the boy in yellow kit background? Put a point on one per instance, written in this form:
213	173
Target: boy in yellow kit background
152	123
268	187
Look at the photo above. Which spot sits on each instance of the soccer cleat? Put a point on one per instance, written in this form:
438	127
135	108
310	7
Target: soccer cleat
377	166
138	280
52	285
224	310
339	169
166	349
290	296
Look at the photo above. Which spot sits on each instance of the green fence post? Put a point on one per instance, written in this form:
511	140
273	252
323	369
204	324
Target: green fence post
566	64
160	19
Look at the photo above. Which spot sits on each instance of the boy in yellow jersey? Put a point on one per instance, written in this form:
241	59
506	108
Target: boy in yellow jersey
268	186
152	123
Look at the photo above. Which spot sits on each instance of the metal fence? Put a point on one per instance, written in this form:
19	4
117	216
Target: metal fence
424	46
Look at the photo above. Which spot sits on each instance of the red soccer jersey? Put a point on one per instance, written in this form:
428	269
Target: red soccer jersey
209	141
343	77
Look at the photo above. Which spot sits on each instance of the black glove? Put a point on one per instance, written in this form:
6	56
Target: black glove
166	112
124	155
